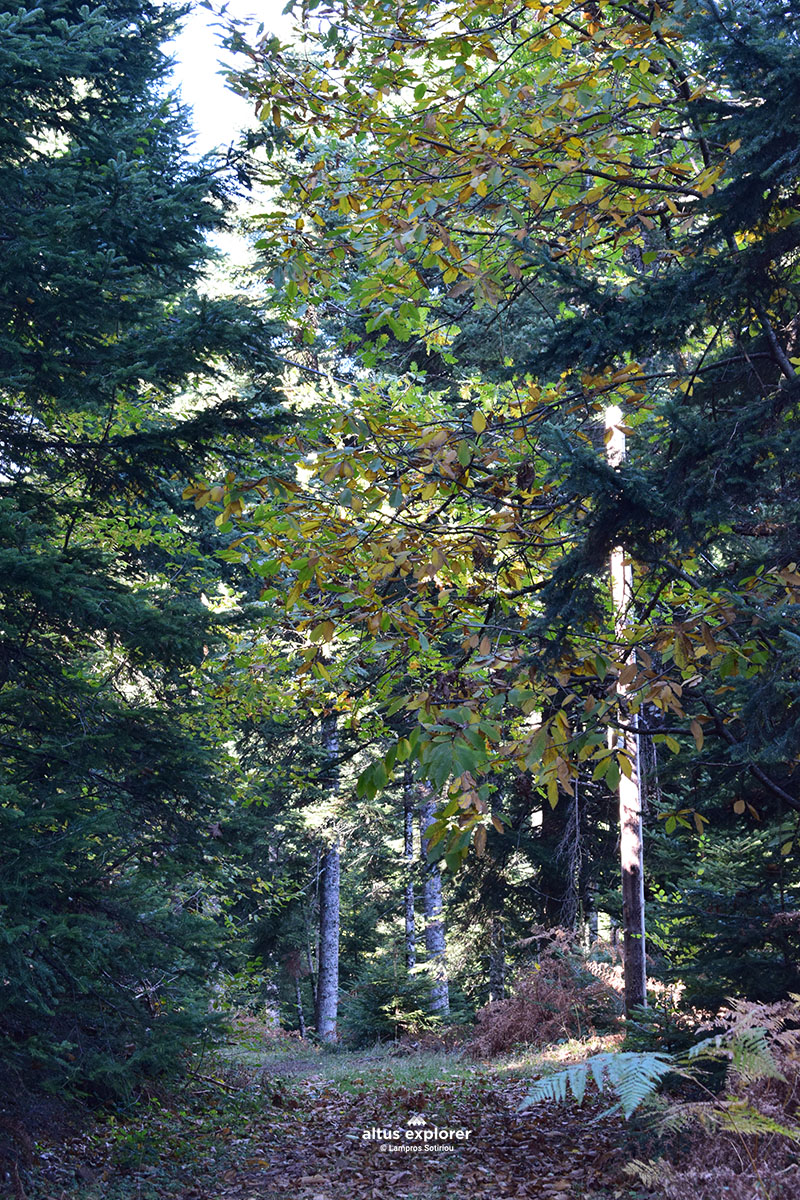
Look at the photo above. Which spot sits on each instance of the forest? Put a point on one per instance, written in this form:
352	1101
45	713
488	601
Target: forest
399	638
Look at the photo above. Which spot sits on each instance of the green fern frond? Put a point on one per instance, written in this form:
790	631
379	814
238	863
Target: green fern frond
748	1050
740	1117
736	1116
683	1116
753	1058
749	1032
632	1077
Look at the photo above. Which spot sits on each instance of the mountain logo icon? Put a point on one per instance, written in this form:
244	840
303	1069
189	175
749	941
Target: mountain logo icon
417	1119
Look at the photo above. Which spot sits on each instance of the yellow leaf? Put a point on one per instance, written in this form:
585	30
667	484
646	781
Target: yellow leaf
627	675
697	734
478	421
708	639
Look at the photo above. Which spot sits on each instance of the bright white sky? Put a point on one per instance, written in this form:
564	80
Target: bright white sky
218	113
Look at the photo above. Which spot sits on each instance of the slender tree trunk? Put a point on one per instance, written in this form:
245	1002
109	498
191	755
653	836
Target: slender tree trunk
570	854
312	966
591	904
497	960
408	848
552	877
631	854
327	1003
301	1021
432	901
630	795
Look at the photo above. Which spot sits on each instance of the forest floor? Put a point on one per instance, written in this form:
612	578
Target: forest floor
276	1119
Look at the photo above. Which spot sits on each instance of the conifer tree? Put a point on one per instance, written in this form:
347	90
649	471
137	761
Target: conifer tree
116	377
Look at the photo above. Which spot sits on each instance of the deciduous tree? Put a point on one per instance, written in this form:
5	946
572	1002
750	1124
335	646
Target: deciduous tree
116	378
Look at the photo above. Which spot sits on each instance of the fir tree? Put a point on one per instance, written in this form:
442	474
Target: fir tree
117	377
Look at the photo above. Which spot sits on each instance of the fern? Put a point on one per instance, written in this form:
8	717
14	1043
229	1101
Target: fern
733	1116
747	1038
741	1117
632	1077
651	1174
748	1049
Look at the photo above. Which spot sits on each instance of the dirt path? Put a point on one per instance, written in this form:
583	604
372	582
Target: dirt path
311	1146
267	1125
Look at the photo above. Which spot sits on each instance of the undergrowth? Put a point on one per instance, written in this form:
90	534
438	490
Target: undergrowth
741	1142
559	997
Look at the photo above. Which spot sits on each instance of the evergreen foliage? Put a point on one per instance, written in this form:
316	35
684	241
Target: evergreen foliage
117	375
387	1002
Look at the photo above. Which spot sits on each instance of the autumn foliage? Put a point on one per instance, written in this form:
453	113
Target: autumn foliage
556	998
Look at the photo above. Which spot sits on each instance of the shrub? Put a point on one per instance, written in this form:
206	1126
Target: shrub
386	1003
558	998
742	1144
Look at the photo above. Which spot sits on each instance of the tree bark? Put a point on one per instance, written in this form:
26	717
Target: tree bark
435	943
569	854
631	855
408	849
630	794
327	1002
301	1021
592	915
312	967
497	960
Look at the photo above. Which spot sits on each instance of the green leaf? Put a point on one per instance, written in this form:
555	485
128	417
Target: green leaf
465	758
631	1076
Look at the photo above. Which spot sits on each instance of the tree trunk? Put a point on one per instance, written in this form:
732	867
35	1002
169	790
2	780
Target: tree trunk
327	1004
301	1021
552	883
630	795
591	905
432	902
630	844
497	960
570	855
408	847
312	966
